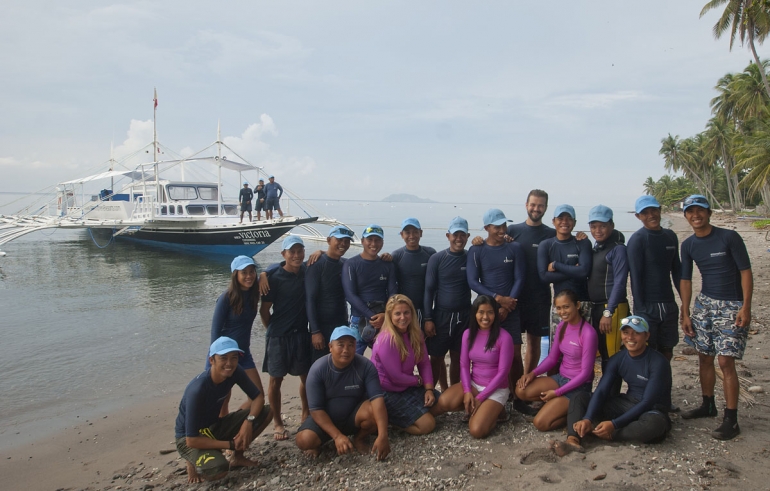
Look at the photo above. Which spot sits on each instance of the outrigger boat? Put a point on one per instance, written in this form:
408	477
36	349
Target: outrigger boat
191	216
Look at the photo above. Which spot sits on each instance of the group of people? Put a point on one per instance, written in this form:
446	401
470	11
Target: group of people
415	305
265	197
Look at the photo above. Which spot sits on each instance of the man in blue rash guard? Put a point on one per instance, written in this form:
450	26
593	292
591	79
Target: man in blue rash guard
639	415
325	298
566	261
719	323
259	199
535	302
273	193
607	280
653	261
244	198
201	434
447	303
366	278
497	269
288	349
411	262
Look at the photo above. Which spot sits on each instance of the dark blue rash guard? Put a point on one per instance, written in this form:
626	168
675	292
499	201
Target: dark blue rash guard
446	283
529	238
653	261
325	297
720	256
497	270
365	281
572	260
410	272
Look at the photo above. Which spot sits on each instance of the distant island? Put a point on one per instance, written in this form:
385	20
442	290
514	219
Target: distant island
406	198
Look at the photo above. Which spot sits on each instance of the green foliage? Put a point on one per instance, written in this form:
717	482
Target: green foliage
760	224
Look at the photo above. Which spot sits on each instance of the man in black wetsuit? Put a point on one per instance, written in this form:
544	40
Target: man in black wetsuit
411	262
607	281
719	324
639	415
244	198
259	203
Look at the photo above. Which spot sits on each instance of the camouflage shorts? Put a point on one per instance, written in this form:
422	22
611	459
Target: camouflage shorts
715	331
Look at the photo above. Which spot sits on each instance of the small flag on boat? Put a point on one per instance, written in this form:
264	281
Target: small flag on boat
155	98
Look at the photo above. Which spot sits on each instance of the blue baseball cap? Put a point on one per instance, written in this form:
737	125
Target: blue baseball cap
644	202
696	200
494	216
600	213
245	183
373	229
561	209
271	176
341	232
241	262
290	241
458	224
261	180
411	221
223	345
636	323
344	331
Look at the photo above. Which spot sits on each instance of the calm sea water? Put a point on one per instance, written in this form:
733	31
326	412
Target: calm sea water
86	330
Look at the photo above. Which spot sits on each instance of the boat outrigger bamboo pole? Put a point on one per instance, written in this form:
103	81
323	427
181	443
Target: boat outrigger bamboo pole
219	168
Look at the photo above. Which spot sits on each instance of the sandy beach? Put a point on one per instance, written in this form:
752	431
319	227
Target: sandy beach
132	448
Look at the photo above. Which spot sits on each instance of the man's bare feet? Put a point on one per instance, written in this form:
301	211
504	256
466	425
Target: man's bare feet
313	453
280	433
192	476
562	448
240	460
361	444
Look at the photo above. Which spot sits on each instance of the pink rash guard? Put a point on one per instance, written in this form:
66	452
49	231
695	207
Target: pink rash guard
489	368
397	375
579	353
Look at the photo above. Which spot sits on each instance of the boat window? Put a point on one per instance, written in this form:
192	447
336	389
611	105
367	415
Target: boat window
171	210
164	211
182	192
230	209
179	210
207	192
212	209
196	210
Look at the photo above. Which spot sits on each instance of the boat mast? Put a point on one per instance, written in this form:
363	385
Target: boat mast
155	149
219	168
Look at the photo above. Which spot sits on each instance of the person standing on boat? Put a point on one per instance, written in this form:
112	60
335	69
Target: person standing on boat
288	349
244	198
273	193
259	204
234	316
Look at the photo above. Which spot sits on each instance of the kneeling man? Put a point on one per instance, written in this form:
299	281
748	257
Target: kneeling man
639	415
201	434
345	398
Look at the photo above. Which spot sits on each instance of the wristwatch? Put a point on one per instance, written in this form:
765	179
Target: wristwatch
250	418
607	313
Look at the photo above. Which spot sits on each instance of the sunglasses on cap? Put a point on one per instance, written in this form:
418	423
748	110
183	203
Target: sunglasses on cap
372	230
696	201
630	320
344	231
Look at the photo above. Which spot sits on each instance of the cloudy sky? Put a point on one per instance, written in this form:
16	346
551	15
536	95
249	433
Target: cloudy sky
453	101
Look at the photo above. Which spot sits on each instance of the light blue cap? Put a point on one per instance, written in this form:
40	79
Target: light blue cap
644	202
271	176
636	323
290	241
223	345
241	262
341	232
261	180
600	213
696	200
245	183
494	216
411	221
344	331
458	224
373	229
564	209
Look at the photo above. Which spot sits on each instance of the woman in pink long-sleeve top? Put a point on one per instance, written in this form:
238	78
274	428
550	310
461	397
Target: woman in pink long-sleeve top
485	360
576	348
410	399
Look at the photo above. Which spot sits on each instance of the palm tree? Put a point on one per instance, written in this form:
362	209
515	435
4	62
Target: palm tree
685	156
747	19
753	155
717	145
649	186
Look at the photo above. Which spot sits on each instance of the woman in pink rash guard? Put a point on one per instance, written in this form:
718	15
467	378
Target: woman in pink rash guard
576	348
410	399
485	360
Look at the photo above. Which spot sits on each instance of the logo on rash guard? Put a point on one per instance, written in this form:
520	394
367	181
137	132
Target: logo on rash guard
670	248
573	255
352	387
535	245
383	277
640	377
506	260
573	343
718	254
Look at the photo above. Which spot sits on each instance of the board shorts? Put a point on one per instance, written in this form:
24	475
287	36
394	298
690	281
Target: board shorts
512	324
500	396
272	204
259	205
715	331
346	426
562	381
290	354
663	319
450	327
245	206
535	317
211	462
406	407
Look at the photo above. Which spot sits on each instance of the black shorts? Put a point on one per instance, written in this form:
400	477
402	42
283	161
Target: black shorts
245	206
535	317
663	319
259	205
450	327
272	204
290	354
512	324
346	426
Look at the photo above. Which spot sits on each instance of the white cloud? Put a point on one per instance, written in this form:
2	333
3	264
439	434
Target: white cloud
602	100
250	144
139	135
221	50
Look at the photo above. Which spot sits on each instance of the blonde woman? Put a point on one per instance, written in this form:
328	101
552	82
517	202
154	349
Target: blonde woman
410	399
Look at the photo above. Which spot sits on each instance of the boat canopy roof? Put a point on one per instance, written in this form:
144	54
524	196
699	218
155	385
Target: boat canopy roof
136	175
